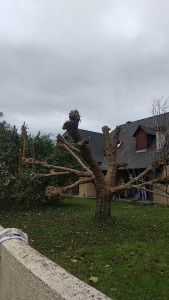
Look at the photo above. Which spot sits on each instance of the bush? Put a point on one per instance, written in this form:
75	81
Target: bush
16	188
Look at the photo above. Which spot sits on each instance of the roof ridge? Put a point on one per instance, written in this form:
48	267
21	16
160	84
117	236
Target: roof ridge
90	131
142	119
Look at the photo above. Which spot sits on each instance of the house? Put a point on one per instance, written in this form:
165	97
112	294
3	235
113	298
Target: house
140	142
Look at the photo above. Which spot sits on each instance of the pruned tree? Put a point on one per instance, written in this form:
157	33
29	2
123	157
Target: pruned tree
159	111
105	185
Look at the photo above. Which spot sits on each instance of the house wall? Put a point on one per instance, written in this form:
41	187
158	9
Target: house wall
83	190
91	191
159	187
26	274
87	190
162	199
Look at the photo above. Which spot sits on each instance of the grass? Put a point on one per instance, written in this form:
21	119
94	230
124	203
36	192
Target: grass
129	253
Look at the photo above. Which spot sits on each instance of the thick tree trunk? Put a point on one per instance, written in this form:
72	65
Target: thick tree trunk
104	197
104	203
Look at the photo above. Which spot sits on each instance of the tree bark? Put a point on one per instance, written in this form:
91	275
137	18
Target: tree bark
104	198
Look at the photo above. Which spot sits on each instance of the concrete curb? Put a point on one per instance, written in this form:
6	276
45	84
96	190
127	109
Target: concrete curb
26	274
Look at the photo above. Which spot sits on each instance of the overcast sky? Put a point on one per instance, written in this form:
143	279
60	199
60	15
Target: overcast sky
107	58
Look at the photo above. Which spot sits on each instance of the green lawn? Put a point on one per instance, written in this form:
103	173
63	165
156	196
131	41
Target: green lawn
129	253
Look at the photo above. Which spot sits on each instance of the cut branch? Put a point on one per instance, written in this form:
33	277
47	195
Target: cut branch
52	191
111	154
145	172
42	175
61	139
128	186
31	161
151	191
72	127
65	147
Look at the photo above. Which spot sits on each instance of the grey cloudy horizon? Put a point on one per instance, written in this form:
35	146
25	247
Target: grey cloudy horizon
107	58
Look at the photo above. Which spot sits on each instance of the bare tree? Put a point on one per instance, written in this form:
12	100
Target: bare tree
159	111
105	185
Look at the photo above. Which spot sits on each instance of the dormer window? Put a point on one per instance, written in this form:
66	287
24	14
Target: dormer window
141	139
143	135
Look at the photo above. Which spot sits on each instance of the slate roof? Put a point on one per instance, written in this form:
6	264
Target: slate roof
96	142
127	150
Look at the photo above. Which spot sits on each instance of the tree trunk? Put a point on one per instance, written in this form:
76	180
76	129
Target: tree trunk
104	197
104	204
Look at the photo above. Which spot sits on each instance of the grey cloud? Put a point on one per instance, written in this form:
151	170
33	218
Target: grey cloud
108	59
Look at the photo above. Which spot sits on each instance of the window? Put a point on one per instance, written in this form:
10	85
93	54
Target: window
141	140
